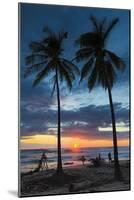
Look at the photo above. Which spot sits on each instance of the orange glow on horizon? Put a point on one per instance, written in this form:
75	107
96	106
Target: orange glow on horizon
40	141
75	148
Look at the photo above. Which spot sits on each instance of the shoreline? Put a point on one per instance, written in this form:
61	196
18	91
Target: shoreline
74	164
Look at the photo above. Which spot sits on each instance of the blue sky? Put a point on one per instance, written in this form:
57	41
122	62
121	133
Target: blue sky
82	111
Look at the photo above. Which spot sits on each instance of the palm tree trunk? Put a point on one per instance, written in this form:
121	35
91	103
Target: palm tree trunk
59	160
117	172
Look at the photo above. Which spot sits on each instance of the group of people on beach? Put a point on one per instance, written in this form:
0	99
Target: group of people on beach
98	158
43	161
109	157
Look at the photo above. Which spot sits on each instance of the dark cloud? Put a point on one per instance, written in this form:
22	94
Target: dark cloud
82	123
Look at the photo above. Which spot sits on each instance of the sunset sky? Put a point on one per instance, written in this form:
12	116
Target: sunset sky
85	117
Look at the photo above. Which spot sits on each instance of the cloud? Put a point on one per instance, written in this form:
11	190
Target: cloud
83	123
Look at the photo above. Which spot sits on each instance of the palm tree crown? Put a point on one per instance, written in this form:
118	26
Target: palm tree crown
101	64
46	58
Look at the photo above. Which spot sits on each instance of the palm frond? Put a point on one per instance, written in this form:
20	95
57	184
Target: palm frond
71	66
64	74
101	70
84	53
42	74
62	35
92	78
70	72
29	59
34	68
106	75
116	60
102	26
102	79
86	69
110	27
36	47
53	45
94	22
33	57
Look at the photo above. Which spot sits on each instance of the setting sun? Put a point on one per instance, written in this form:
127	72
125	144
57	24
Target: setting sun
75	146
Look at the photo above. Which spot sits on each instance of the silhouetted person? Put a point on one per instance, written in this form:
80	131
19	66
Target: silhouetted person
83	159
44	159
109	158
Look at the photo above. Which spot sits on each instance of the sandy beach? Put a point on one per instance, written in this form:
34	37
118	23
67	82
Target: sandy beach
77	179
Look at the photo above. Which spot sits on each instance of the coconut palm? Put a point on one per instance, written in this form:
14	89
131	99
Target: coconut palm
101	66
46	59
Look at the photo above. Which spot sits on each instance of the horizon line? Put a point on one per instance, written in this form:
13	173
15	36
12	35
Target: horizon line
71	147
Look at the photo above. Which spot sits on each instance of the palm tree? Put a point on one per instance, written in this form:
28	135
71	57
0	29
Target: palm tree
101	66
47	59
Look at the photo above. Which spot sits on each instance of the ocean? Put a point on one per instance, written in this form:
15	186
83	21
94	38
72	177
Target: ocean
29	159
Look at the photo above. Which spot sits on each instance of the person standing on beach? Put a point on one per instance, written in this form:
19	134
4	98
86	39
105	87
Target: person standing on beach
83	159
44	158
109	158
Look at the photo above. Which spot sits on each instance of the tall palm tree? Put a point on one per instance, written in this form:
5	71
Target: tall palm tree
101	66
47	59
